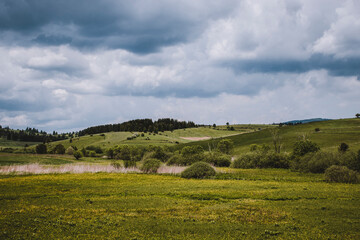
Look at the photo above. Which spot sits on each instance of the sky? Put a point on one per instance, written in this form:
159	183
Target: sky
67	65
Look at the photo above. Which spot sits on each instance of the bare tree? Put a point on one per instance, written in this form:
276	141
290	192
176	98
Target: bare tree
276	139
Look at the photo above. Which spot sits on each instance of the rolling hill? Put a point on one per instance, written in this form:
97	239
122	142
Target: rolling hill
331	133
110	139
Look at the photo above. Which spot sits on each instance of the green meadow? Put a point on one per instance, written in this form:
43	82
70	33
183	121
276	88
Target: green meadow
233	204
15	144
169	138
143	206
330	135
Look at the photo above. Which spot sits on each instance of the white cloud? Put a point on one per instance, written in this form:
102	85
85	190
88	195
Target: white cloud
342	39
16	121
61	94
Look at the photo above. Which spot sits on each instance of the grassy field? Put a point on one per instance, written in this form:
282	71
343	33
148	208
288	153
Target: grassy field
234	204
15	144
331	134
140	206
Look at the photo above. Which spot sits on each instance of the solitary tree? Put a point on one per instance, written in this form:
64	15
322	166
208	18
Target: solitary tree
225	146
77	154
41	149
59	149
357	115
276	139
343	147
303	147
70	150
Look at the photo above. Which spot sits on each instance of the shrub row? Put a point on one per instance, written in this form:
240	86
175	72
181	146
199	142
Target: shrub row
341	174
318	162
262	160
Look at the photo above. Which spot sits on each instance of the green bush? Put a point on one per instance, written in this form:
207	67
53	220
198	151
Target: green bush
248	160
123	152
315	162
160	154
343	147
70	150
96	149
198	170
273	160
351	160
225	146
303	147
59	149
109	153
175	160
41	149
84	152
129	163
77	154
92	153
341	174
150	165
263	148
254	147
259	159
116	165
218	159
190	155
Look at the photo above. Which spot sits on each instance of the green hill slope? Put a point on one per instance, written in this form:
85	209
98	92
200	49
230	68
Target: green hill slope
331	134
110	139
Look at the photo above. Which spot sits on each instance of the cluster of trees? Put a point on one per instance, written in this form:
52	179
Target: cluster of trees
306	156
186	156
230	128
140	125
30	135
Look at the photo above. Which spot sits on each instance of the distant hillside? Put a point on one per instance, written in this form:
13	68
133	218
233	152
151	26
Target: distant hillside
294	122
328	134
169	138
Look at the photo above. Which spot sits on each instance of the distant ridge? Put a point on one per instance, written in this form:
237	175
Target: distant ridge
140	125
293	122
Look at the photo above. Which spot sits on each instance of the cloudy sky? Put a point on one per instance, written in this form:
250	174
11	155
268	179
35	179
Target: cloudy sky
66	65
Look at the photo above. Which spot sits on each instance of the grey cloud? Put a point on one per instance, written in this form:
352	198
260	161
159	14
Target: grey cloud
22	105
137	26
52	39
60	71
335	66
183	59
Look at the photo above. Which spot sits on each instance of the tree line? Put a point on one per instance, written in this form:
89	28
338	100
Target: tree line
30	135
140	125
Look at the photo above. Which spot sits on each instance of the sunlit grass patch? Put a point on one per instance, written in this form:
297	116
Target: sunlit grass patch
150	206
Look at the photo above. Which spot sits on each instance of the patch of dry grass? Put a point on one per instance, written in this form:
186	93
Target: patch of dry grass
36	168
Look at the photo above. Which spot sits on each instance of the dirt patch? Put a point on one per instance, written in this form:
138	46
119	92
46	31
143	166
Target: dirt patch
196	138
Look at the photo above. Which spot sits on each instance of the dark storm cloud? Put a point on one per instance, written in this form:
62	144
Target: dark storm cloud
335	66
22	105
52	39
137	26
